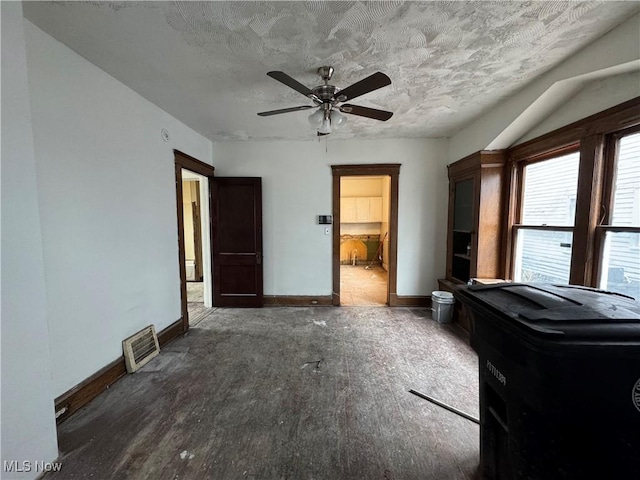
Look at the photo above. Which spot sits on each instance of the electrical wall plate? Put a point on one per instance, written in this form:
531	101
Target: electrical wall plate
325	220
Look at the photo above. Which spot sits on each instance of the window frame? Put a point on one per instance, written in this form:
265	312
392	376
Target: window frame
517	225
611	150
595	138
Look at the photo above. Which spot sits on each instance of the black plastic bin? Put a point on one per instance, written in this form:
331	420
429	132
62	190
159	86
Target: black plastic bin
559	381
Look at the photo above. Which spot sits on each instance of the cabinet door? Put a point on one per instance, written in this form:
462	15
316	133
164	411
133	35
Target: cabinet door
347	210
375	209
362	209
461	247
463	206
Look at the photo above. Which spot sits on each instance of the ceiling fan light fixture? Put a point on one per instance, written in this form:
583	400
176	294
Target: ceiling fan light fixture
326	126
337	119
315	119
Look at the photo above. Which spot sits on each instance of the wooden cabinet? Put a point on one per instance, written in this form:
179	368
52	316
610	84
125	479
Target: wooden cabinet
360	209
474	228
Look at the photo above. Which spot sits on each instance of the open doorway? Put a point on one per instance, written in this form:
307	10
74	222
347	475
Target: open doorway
364	235
195	178
197	248
358	242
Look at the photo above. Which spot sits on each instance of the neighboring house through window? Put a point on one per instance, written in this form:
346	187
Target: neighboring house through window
544	231
619	266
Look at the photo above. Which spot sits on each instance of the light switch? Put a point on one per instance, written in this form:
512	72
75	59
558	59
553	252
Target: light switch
327	230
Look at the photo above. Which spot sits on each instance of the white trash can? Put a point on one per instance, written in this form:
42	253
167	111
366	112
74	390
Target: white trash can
442	306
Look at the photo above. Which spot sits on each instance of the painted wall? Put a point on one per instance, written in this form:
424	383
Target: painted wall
106	182
618	47
361	187
595	97
296	187
28	421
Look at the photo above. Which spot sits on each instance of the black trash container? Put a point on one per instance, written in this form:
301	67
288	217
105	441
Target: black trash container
559	381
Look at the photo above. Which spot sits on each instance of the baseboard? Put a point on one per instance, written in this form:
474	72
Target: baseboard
411	300
77	397
297	301
172	332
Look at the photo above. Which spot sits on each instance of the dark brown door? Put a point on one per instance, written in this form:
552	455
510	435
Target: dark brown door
237	242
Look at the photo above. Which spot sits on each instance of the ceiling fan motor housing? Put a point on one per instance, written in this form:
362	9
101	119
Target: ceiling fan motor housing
326	93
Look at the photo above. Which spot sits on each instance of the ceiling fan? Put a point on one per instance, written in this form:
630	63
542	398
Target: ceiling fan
326	99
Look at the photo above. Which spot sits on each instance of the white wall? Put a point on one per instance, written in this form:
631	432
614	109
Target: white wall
595	97
108	207
617	48
296	187
28	422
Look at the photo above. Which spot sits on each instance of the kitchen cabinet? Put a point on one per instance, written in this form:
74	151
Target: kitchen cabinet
360	209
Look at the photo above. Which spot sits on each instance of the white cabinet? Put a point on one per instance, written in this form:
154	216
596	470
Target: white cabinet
348	210
360	209
375	209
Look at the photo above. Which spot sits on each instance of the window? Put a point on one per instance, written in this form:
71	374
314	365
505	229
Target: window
619	234
544	232
573	206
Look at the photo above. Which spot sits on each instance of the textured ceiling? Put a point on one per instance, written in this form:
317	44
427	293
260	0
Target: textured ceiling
206	62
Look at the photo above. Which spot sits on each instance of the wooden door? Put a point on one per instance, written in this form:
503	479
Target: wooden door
237	242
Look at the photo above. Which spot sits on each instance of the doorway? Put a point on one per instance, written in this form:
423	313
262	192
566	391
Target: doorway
193	203
369	246
364	240
195	209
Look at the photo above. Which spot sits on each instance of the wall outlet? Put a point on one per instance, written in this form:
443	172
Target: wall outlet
327	230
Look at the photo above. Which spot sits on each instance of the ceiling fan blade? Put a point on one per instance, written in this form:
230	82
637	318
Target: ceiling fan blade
285	110
366	85
366	112
291	83
322	134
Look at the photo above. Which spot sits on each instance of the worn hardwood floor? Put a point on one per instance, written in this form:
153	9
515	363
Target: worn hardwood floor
362	287
195	303
287	393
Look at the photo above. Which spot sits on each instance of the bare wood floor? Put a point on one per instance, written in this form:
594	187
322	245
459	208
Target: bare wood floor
363	287
195	303
287	393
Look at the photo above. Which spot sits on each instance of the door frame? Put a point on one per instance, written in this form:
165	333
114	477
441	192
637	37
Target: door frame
381	169
182	160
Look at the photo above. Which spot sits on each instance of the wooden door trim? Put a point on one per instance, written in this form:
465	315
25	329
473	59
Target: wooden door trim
182	160
382	169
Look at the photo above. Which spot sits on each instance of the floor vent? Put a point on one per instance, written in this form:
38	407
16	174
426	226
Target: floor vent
140	348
